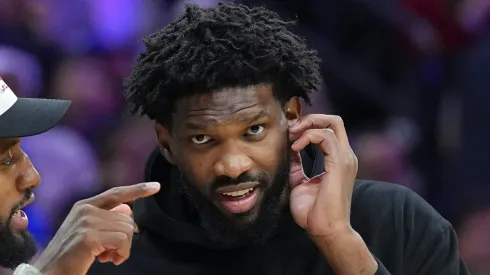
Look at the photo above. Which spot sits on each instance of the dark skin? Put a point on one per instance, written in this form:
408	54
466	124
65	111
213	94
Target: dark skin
17	176
96	227
228	133
220	134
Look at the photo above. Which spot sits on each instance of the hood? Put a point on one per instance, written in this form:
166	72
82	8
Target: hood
168	214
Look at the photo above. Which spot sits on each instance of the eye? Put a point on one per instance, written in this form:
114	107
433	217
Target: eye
7	162
255	130
200	139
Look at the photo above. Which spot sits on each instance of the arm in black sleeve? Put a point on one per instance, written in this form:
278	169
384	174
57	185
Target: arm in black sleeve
424	242
432	248
441	256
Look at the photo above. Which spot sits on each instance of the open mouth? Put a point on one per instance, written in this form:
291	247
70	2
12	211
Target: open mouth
19	218
19	214
239	198
240	194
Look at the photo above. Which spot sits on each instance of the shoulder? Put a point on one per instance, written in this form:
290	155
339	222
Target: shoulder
403	230
395	208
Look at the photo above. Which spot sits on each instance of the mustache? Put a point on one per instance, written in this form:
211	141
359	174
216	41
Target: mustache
222	181
25	199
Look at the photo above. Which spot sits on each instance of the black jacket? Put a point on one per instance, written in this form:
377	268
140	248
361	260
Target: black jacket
404	233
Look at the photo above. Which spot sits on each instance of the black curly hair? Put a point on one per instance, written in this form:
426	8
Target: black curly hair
231	45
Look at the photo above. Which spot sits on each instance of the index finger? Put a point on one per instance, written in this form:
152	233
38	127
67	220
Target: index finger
318	121
117	195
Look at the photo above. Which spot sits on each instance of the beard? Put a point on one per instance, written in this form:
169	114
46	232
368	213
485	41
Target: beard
15	249
241	229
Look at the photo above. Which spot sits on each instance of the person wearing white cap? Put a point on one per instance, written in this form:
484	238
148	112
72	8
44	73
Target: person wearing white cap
99	227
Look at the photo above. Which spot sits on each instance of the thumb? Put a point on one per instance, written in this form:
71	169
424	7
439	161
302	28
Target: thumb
123	209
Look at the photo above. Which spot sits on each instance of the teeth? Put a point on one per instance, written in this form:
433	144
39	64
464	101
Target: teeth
17	213
238	193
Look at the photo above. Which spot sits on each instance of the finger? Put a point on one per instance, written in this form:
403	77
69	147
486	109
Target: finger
97	218
123	209
107	256
115	196
324	138
110	241
122	252
126	210
118	259
104	220
91	217
296	172
110	256
318	121
122	224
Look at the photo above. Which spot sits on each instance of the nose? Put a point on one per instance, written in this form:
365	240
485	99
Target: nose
28	176
233	162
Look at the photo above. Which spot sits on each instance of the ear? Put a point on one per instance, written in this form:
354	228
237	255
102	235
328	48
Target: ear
292	110
163	136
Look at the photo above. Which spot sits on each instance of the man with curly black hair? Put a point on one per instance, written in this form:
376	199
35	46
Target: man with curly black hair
251	186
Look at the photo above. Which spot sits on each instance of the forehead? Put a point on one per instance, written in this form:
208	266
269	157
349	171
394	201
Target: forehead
227	104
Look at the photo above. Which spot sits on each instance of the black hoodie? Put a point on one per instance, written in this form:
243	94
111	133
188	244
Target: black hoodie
404	233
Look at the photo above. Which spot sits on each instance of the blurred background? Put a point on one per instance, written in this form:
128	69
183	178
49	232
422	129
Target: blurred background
411	79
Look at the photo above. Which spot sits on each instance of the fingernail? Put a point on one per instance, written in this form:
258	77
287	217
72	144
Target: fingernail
294	144
293	123
152	186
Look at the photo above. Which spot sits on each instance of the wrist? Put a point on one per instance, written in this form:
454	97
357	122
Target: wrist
45	269
346	252
334	232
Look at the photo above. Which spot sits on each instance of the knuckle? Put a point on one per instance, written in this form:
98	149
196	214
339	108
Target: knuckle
127	219
338	120
115	193
86	238
127	229
78	203
307	134
329	132
121	238
142	187
347	161
84	210
355	159
85	222
314	136
356	162
117	190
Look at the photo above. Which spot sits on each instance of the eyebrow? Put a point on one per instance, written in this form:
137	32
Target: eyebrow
242	119
7	145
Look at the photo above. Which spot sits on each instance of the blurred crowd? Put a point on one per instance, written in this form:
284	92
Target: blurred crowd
409	77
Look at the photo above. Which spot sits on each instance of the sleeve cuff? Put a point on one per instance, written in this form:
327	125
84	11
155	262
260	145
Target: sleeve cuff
381	269
25	269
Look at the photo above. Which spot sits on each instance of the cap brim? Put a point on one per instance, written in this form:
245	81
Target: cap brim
32	116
